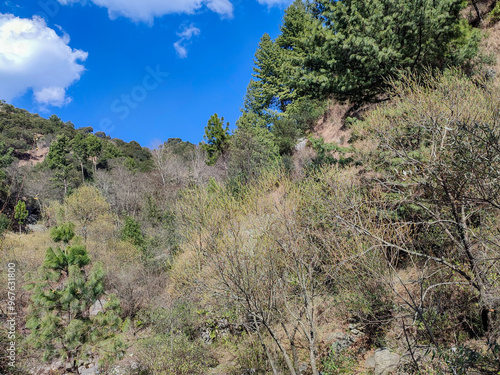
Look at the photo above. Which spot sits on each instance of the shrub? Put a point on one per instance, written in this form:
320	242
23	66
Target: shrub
174	355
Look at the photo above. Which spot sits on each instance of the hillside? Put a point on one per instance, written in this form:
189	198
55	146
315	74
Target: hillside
348	225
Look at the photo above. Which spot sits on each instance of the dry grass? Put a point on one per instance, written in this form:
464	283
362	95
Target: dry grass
491	46
331	126
27	250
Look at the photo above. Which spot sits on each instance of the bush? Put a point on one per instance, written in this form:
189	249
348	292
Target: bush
174	355
4	223
495	13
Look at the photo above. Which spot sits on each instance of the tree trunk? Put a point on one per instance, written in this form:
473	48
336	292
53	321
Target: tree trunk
266	349
479	17
291	340
283	351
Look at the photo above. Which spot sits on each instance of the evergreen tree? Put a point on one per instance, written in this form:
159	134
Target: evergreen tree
132	232
60	316
81	151
364	42
94	147
279	64
20	214
5	160
58	160
252	149
263	93
217	137
5	155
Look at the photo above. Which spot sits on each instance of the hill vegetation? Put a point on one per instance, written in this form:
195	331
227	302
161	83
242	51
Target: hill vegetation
270	250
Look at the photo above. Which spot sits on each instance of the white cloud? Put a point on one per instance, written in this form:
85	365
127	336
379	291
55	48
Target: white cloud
147	10
33	57
52	96
186	34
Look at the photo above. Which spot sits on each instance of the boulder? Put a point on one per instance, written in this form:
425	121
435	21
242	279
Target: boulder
301	144
97	307
384	362
341	341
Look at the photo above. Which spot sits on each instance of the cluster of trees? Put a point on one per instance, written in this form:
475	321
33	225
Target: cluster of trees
346	50
87	152
73	157
408	242
349	49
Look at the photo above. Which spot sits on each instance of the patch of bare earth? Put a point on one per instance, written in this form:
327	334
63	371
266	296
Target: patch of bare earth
331	127
34	156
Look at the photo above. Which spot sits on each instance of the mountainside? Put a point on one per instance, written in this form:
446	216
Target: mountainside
349	225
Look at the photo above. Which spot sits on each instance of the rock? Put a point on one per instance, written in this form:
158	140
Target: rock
386	362
302	143
303	368
31	219
370	362
36	227
206	336
97	307
341	341
88	371
490	74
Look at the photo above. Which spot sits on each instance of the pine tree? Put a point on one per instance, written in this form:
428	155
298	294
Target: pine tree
217	137
5	160
94	147
60	317
263	91
58	160
364	42
132	232
20	214
81	151
279	65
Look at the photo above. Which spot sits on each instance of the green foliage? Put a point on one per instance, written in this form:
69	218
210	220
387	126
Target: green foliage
59	160
139	156
325	154
5	155
132	232
20	213
81	152
60	318
340	363
19	128
495	13
356	52
277	64
217	138
94	145
178	147
64	232
252	150
300	116
163	354
4	223
171	237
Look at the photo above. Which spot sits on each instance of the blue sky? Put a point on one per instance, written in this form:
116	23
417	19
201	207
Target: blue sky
144	70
